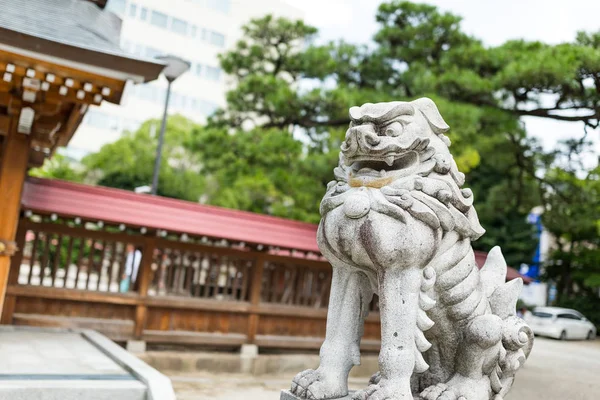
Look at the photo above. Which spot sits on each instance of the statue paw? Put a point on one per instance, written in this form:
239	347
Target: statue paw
364	394
375	378
441	391
458	388
384	390
314	384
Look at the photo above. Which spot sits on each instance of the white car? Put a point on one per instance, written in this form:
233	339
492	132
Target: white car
560	323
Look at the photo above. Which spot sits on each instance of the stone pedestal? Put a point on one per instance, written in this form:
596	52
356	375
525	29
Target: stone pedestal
287	395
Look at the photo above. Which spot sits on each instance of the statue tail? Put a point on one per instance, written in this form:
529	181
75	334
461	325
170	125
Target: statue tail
517	337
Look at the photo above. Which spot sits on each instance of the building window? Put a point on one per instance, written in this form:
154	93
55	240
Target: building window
127	45
217	39
213	73
131	124
132	10
179	26
193	31
152	52
175	99
159	19
198	69
144	14
219	5
204	35
116	6
146	92
206	107
138	49
101	120
183	101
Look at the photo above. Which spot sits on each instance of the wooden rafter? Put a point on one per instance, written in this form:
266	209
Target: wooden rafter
58	97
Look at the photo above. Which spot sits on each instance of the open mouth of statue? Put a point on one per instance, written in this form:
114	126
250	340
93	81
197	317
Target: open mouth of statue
381	166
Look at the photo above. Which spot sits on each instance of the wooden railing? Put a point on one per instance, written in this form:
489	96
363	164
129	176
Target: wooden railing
73	273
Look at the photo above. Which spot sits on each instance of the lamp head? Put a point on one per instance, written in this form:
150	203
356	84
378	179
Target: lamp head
175	66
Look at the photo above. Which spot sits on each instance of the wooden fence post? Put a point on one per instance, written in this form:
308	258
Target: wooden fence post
17	258
255	291
141	310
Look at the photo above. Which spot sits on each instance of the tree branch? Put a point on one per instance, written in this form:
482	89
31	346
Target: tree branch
545	113
308	123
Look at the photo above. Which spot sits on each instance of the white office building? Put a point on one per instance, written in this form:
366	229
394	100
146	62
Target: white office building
196	30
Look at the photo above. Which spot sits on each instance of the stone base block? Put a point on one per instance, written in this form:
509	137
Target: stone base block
249	350
287	395
136	346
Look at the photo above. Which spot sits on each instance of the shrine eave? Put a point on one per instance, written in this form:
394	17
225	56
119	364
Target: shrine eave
99	62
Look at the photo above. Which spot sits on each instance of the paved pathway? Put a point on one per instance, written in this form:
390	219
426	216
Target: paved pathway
555	371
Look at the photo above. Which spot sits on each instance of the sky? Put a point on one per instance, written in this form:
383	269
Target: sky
492	21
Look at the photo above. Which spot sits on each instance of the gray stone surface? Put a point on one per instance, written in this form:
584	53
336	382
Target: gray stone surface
71	390
263	364
248	355
136	346
158	385
396	222
34	352
53	364
576	363
287	395
249	351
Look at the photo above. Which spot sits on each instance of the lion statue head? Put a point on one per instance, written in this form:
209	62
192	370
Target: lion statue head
399	149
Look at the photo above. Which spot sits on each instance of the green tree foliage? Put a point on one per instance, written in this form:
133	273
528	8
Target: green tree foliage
572	216
58	167
129	162
263	171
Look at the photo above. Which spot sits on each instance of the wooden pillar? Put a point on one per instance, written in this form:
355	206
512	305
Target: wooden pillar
146	273
13	169
255	289
10	301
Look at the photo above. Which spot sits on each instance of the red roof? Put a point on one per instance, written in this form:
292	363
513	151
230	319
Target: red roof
120	206
153	212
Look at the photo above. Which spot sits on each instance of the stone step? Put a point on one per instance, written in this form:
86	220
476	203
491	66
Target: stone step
68	364
67	389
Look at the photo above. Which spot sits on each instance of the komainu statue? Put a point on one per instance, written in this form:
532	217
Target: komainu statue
396	222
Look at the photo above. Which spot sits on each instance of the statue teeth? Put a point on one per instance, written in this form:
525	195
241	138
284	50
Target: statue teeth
382	172
389	160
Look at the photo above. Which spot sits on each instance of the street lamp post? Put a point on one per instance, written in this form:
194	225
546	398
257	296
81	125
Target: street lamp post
175	67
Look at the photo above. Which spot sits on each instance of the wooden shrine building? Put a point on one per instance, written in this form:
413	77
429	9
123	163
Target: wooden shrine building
57	58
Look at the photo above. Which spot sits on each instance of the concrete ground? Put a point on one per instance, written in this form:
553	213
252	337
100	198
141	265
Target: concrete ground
555	371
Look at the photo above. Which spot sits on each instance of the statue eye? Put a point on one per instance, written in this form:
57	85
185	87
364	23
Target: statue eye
394	129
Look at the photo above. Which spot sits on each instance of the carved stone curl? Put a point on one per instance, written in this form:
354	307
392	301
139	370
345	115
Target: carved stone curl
396	222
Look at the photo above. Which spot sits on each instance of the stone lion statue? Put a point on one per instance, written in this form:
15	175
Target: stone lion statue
396	222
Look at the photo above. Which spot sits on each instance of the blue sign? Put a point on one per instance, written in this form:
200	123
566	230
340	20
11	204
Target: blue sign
533	270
